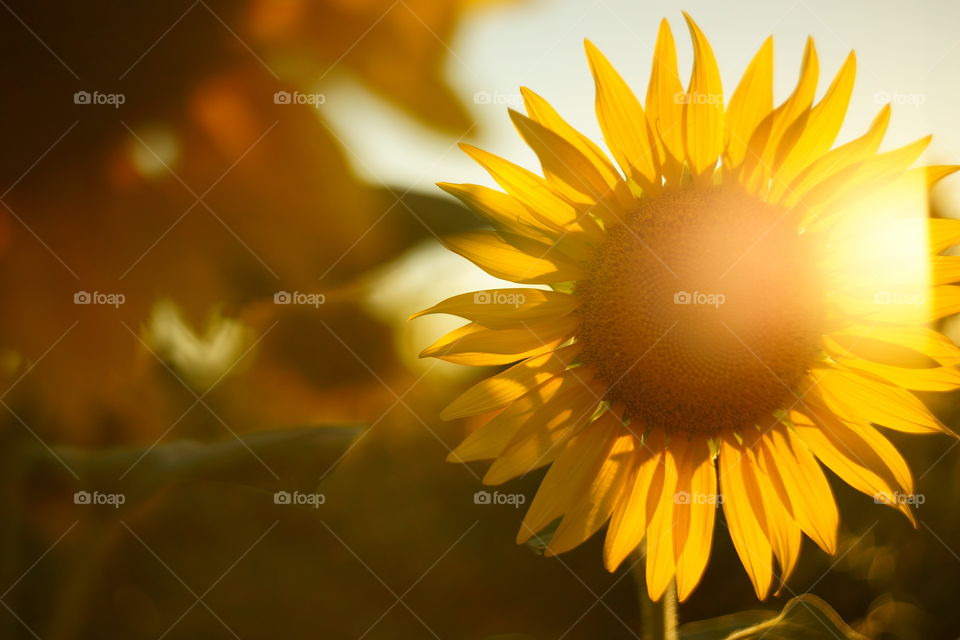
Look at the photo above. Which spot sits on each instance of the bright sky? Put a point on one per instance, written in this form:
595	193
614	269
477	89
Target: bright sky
909	52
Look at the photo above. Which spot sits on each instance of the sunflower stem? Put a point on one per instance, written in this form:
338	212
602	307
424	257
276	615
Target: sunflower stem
658	620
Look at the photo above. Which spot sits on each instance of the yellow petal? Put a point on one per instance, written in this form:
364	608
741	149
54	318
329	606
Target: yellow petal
703	107
490	439
749	104
787	551
944	233
820	130
563	164
795	109
945	302
541	111
743	508
945	270
659	552
567	482
694	517
639	501
880	449
902	378
856	398
862	457
838	160
506	308
782	126
500	390
664	109
921	307
782	530
809	494
861	178
936	173
596	499
532	191
476	345
536	263
501	210
623	122
544	431
920	339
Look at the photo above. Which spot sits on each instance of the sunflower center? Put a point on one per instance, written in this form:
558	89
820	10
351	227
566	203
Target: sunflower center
702	310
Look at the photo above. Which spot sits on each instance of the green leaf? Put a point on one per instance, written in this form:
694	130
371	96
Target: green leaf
723	626
269	460
805	617
539	543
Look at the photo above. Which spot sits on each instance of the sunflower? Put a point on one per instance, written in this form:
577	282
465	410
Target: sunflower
734	300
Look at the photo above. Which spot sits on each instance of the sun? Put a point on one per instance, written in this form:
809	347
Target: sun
732	304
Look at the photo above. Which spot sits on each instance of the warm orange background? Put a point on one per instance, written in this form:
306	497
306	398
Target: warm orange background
200	197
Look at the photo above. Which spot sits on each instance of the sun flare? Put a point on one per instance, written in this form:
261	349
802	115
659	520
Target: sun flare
733	303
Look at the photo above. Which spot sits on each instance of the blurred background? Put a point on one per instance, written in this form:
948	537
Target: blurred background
215	219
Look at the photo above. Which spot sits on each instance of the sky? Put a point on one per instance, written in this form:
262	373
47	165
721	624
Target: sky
907	53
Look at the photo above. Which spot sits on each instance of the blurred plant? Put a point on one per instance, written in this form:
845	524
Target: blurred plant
201	189
156	198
